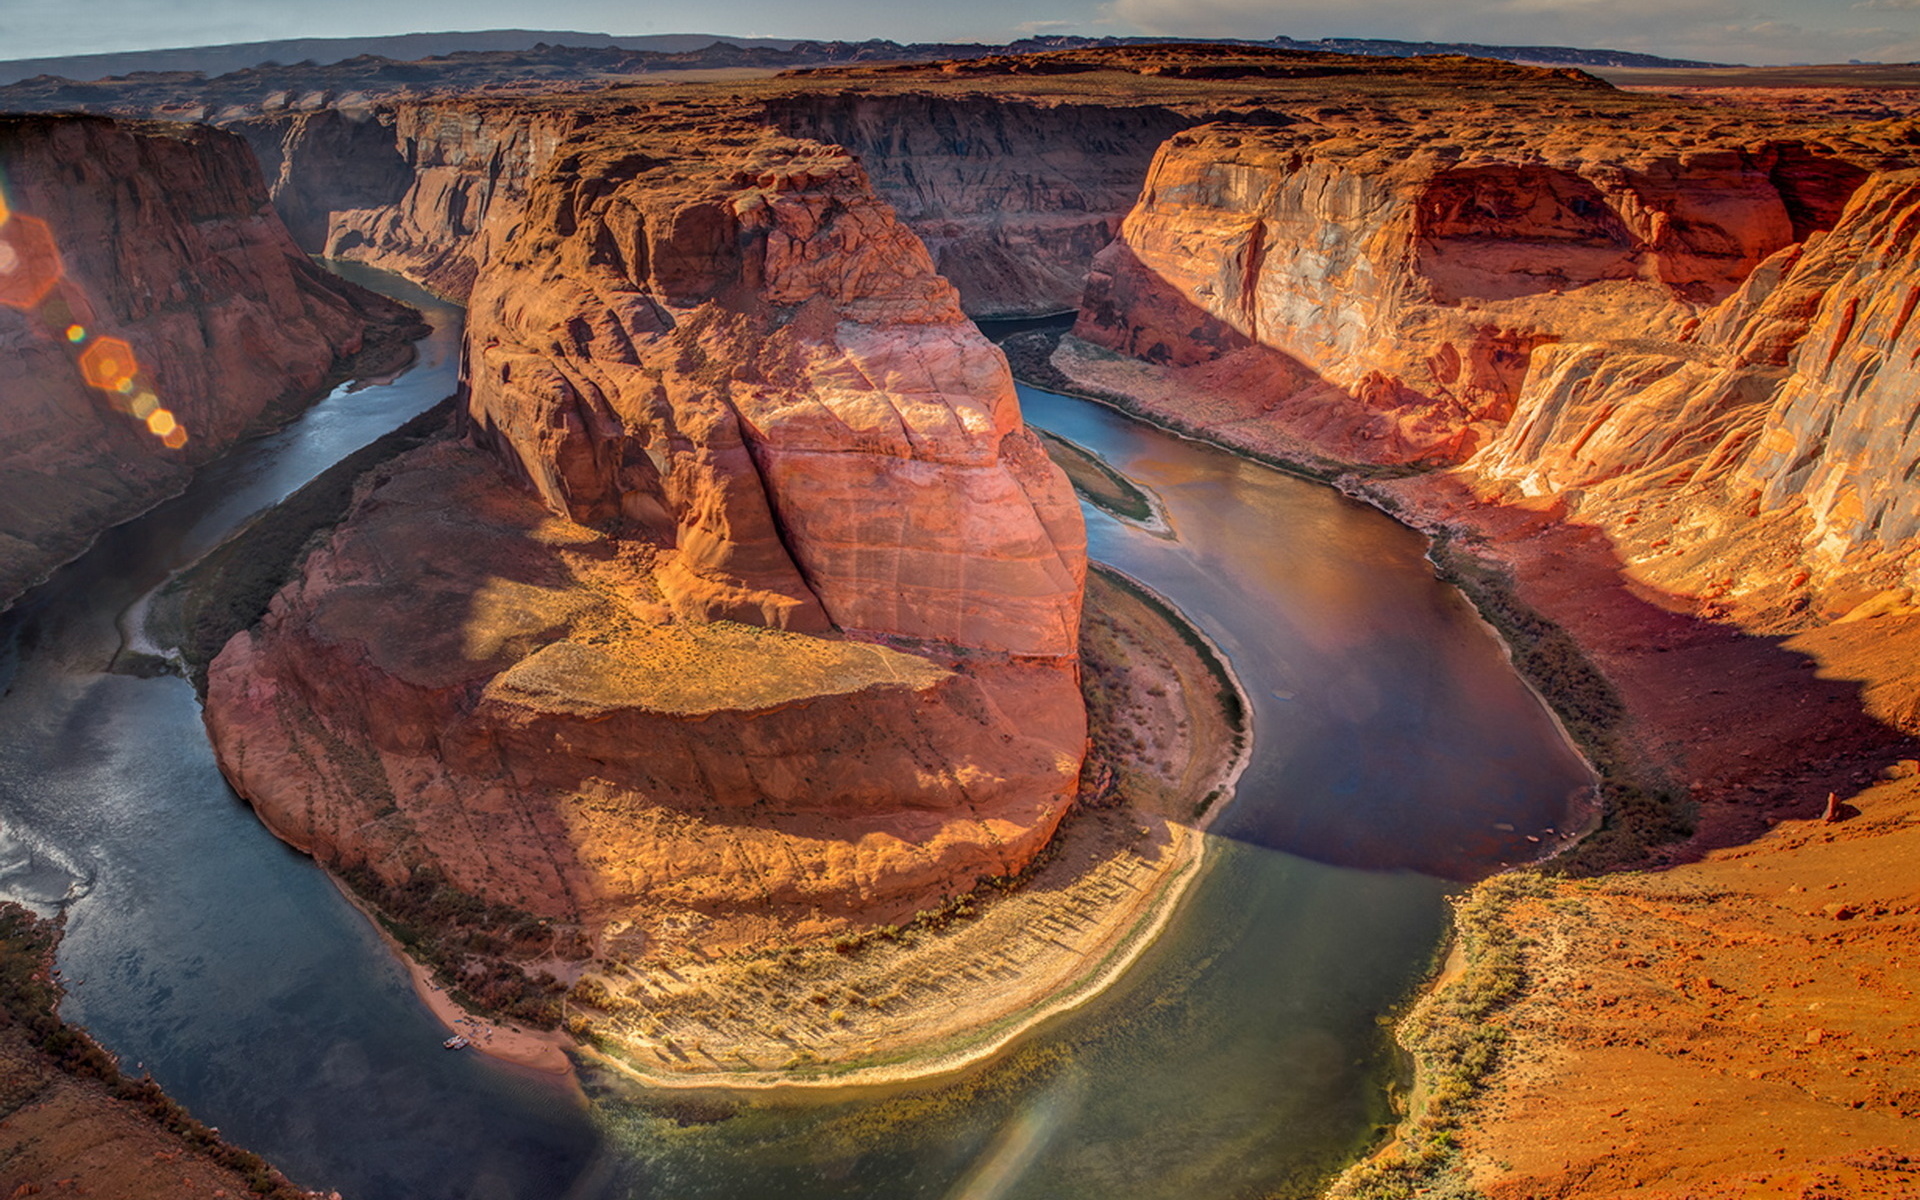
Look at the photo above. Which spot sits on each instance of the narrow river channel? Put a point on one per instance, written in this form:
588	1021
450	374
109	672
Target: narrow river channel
1243	1056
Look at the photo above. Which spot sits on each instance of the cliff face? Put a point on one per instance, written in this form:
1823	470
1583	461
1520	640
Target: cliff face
406	187
758	364
159	236
754	422
1384	295
1556	313
1013	198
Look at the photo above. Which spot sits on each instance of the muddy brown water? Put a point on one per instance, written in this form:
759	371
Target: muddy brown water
1394	752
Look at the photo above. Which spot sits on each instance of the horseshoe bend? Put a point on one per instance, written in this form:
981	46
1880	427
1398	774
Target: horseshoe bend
716	690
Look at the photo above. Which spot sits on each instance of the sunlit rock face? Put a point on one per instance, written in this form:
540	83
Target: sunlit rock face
152	310
1709	317
749	609
1394	291
756	362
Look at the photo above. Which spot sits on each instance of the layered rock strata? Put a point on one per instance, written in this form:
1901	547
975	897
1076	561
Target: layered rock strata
1013	197
1382	295
407	187
776	633
158	238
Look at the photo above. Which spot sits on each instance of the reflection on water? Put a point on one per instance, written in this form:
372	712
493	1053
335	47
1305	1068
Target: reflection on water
1242	1057
1391	732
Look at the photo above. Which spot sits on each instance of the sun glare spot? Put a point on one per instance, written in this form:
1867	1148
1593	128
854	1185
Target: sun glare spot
109	364
29	262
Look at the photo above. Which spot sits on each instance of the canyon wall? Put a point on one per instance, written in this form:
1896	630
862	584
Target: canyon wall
1584	319
406	187
1382	295
1013	197
758	611
144	271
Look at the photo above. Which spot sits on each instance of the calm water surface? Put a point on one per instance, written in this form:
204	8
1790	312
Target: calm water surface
1394	750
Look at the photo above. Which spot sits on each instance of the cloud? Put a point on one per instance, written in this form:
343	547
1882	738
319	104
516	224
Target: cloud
1042	26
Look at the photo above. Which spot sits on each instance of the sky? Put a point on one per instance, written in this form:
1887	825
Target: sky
1754	31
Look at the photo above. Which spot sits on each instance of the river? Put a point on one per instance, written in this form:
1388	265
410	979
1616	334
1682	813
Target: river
1394	751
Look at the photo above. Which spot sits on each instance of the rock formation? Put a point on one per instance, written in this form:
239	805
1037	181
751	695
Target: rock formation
783	636
1385	291
406	188
146	254
1013	197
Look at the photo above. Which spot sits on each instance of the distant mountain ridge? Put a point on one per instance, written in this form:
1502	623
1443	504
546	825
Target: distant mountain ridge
1571	56
405	47
223	59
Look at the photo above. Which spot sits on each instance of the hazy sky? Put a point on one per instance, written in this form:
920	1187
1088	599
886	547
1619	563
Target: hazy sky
1721	30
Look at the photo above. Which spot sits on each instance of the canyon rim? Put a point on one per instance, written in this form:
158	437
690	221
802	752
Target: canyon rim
734	627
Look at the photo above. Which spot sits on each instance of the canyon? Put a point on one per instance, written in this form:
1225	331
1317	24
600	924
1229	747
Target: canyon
153	242
652	651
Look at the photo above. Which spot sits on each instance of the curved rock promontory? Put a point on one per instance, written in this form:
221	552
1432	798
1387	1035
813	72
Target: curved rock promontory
749	610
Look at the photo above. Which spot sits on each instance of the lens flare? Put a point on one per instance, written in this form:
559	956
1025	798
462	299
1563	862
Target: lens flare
29	262
76	334
143	406
160	423
109	364
5	212
176	437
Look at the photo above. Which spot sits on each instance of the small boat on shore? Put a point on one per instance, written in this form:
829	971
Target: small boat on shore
456	1042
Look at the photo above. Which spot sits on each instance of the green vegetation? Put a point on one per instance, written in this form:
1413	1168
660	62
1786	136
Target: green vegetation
475	948
29	1002
1101	485
229	588
1457	1036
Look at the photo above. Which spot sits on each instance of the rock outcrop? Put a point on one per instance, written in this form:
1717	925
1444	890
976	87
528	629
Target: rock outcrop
405	187
784	635
146	255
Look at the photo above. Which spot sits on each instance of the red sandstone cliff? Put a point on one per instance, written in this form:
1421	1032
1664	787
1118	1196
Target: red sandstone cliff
756	422
1381	294
159	236
1013	197
406	187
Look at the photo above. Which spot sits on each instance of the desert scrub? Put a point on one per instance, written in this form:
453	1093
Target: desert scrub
1455	1035
468	943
